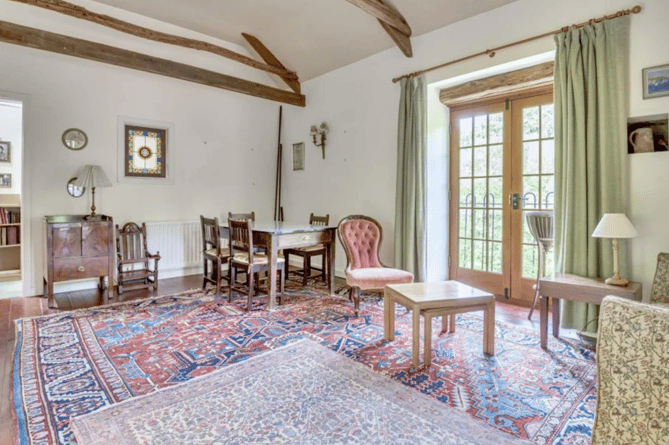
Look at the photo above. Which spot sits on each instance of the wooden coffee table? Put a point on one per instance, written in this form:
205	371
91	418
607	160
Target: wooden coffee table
444	299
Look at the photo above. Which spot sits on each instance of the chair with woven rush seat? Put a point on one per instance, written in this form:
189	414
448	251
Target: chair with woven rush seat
361	236
540	225
245	258
132	251
310	251
213	253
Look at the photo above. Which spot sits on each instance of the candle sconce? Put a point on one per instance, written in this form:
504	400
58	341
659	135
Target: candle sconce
320	133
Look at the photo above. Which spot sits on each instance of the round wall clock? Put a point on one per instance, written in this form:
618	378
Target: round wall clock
74	139
73	190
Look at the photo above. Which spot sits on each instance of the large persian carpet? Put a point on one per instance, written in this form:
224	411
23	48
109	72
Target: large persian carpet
301	393
71	364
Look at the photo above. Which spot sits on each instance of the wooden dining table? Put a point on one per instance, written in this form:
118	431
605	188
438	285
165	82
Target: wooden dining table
279	235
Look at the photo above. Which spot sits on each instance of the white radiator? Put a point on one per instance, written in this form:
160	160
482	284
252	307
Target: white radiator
180	246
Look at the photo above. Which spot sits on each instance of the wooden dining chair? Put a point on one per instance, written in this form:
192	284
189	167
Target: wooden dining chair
245	258
215	255
132	251
251	216
310	251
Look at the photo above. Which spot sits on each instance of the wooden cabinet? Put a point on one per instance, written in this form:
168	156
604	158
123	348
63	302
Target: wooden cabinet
77	248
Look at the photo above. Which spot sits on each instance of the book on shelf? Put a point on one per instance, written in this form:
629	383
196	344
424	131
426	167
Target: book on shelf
9	216
10	235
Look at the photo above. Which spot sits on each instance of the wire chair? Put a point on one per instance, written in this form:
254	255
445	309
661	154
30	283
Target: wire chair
541	228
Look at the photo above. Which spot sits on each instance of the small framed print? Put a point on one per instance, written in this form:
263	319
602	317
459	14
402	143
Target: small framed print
5	180
656	81
5	152
298	156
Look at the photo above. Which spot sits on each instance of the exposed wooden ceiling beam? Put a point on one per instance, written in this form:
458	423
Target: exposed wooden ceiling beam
271	60
391	20
384	13
79	12
57	43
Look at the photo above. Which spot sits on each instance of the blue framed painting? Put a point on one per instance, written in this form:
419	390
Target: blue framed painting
656	81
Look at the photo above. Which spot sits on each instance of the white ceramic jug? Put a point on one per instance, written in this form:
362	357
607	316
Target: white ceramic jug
643	142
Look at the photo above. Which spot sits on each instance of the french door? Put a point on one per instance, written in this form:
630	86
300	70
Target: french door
502	165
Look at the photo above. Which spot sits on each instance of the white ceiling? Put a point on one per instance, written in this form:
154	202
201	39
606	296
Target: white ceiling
311	37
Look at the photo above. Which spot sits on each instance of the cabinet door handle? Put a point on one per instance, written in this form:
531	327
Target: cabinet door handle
81	268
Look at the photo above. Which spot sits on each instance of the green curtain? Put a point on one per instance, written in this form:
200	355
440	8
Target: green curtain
410	237
591	89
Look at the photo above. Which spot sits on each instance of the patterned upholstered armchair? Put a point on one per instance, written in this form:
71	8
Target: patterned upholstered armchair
633	367
361	237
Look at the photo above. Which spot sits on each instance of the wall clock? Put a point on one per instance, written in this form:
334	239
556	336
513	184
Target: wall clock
74	139
73	190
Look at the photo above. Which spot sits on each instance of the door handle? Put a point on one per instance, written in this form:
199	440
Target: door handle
514	201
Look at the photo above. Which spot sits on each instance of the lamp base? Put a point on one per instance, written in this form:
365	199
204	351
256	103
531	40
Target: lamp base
616	281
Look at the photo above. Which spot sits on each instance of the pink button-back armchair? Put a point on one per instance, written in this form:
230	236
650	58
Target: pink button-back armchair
361	237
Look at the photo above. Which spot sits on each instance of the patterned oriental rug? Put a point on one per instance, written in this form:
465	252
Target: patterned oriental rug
71	364
301	393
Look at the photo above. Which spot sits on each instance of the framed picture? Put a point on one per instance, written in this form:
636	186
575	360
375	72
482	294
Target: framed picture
5	180
298	156
656	81
5	151
145	151
647	134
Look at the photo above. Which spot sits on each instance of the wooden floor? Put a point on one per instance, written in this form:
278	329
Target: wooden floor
15	308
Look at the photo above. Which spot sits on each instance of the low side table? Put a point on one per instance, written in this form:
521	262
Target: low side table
576	288
444	298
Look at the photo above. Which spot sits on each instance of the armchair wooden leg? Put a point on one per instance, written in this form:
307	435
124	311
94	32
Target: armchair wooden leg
205	275
218	278
306	272
356	301
233	278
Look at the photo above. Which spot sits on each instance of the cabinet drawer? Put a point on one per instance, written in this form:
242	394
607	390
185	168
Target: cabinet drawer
76	268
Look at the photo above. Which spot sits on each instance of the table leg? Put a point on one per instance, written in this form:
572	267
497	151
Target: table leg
556	316
415	344
451	325
388	316
489	329
543	320
331	247
273	254
427	356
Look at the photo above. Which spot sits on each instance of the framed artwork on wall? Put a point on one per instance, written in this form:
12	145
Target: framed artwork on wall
145	150
6	180
5	151
655	81
298	156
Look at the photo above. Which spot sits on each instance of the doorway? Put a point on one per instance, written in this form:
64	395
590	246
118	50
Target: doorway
502	166
11	162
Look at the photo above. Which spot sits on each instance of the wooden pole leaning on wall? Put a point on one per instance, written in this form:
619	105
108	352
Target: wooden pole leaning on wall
58	43
493	51
79	12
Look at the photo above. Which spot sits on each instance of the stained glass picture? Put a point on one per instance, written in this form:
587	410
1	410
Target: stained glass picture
145	152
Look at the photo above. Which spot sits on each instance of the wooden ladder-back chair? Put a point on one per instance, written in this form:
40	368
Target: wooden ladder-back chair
244	258
251	216
361	237
132	251
214	254
310	251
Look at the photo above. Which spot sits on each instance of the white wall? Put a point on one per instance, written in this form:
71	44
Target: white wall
11	130
225	142
360	104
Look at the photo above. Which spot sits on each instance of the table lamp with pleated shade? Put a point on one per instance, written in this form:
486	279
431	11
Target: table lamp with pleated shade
92	176
615	225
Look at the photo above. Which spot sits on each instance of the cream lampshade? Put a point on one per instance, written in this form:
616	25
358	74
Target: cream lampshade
92	176
615	225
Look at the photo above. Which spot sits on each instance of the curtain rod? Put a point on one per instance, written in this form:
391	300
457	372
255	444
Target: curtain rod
491	52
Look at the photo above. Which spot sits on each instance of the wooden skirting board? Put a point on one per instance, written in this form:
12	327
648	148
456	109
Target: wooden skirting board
58	43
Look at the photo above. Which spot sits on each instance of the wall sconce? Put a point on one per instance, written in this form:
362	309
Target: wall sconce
321	131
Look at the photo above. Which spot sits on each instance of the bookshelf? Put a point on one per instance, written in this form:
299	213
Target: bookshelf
10	237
